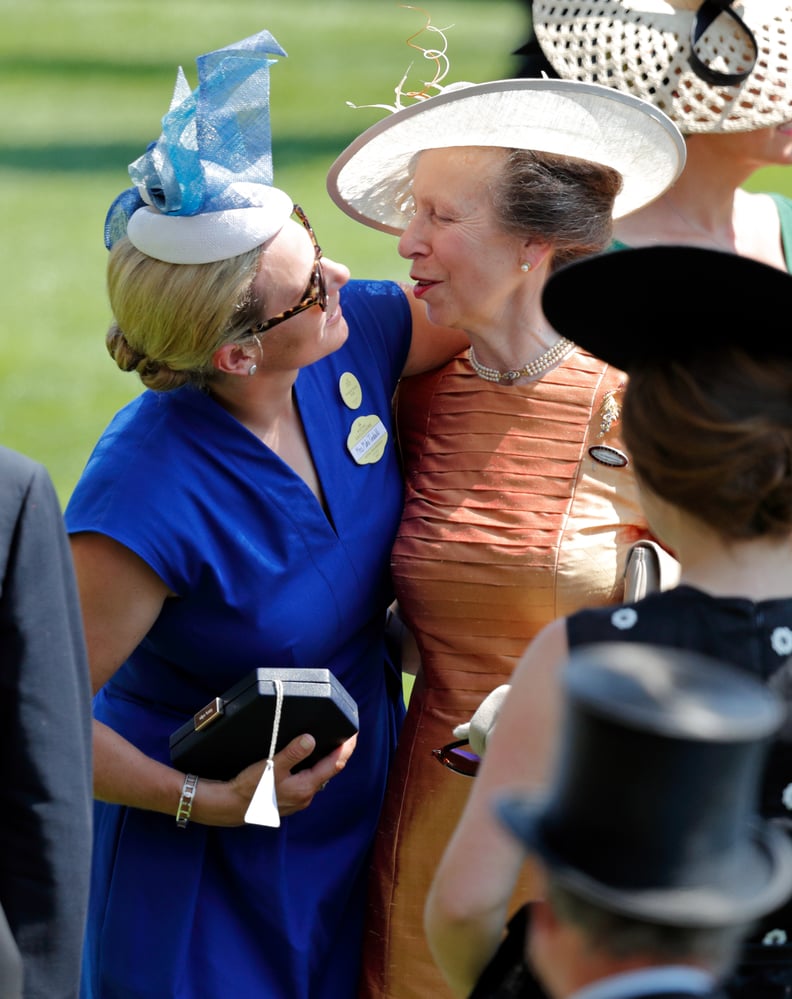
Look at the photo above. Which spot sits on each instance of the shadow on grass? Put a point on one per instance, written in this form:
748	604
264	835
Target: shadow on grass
64	67
60	157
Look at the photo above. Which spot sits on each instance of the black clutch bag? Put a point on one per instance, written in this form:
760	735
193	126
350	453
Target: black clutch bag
235	729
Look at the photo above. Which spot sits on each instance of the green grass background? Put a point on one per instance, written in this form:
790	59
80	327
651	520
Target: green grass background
83	86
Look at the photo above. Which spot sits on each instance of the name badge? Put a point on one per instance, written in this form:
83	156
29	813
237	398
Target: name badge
367	439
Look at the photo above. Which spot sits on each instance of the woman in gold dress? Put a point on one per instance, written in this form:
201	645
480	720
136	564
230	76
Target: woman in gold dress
520	504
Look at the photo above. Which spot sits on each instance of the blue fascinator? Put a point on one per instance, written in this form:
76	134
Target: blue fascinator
203	191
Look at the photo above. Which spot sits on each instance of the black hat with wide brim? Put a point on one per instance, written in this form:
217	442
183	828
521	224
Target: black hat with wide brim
652	809
642	306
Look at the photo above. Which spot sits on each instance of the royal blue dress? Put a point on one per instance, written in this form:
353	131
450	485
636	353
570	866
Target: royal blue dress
264	577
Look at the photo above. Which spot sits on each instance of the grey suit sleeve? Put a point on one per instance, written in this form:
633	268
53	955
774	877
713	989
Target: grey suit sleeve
45	735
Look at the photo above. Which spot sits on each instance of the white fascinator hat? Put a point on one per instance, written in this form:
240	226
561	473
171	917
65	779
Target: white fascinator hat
203	191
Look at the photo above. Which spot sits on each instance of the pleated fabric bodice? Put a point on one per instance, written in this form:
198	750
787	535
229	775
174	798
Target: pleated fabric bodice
509	522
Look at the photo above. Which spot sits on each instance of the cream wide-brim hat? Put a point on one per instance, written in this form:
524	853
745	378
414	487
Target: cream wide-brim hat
370	180
642	47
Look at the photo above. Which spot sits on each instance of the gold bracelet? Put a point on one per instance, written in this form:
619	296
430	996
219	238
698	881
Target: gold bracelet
186	801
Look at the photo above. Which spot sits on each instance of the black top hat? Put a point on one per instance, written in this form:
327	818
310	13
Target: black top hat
633	307
652	808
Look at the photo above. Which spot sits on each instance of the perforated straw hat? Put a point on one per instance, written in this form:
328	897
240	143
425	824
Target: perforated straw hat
370	180
711	65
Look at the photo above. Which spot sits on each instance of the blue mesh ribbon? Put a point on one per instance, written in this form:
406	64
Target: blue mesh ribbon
215	149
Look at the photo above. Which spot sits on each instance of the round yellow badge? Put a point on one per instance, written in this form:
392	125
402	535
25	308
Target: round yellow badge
350	390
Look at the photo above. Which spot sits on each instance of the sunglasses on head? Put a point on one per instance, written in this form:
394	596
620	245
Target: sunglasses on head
314	294
459	757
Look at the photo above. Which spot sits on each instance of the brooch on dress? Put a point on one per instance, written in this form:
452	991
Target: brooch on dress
606	454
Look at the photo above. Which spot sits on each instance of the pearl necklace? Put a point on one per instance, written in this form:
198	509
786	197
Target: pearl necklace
551	356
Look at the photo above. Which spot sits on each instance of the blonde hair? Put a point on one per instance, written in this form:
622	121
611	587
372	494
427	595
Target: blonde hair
171	318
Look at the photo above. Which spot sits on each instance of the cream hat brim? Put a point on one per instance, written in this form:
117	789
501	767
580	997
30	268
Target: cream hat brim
370	179
211	236
642	47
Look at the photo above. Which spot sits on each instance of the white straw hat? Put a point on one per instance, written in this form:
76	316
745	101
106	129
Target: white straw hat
711	65
370	180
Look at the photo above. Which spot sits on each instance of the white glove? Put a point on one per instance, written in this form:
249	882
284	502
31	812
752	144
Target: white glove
477	731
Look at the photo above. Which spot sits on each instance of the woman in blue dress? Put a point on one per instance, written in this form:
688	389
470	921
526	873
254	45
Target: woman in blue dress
237	514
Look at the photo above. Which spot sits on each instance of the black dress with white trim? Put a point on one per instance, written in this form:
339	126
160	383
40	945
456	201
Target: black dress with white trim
756	637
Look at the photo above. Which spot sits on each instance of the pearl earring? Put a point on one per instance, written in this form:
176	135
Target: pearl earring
253	369
525	267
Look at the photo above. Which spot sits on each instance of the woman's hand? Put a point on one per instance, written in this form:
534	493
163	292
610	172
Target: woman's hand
121	598
293	792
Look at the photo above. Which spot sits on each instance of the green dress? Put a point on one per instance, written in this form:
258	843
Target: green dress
784	206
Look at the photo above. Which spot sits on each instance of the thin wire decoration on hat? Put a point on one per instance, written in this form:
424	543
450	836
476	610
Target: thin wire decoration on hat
711	65
370	181
437	56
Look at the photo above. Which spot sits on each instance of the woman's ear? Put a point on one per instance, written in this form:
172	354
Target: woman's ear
533	253
234	358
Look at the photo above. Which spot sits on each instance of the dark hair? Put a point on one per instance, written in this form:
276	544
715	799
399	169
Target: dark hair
622	936
566	201
713	436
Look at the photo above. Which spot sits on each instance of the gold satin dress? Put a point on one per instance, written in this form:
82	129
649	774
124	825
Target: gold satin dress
509	522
